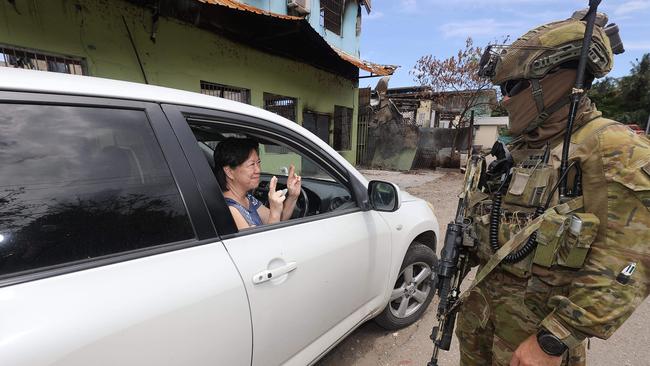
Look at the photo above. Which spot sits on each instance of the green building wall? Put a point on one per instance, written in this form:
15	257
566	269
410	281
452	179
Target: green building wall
181	56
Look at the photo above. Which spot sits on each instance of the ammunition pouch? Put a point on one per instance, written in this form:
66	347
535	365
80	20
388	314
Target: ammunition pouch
522	268
577	242
509	225
550	235
528	186
564	239
526	191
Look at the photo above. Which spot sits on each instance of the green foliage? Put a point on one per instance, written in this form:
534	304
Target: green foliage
626	99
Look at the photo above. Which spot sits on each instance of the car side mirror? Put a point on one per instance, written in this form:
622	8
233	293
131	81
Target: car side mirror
383	196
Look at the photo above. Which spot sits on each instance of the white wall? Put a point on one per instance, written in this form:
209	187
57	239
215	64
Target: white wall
486	135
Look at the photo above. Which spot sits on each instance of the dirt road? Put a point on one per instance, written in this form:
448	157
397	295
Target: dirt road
370	345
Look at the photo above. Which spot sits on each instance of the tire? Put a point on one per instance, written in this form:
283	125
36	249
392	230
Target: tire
410	298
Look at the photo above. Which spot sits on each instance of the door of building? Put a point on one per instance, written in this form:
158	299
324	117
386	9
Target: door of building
319	125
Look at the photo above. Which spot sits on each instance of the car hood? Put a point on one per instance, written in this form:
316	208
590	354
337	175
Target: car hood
407	197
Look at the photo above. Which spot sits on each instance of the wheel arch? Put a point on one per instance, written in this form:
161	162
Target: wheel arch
427	238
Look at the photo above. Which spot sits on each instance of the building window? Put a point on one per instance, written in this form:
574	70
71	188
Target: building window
279	104
226	91
283	106
36	60
331	13
342	128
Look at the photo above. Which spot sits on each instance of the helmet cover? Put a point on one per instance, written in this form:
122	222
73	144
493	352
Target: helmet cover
542	49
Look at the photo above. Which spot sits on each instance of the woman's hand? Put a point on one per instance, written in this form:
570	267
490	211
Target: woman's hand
293	183
276	199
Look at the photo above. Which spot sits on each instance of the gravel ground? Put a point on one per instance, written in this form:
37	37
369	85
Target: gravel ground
371	345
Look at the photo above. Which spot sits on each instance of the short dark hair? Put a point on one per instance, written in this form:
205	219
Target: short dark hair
231	152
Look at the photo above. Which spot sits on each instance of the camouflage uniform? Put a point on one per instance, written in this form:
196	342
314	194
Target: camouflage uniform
568	285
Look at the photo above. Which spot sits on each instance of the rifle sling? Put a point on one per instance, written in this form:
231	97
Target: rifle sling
514	242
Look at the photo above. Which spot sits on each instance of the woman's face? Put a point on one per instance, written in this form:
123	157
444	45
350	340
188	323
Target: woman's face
247	175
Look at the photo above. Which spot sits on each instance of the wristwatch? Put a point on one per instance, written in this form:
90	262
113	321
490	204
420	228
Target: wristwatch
550	344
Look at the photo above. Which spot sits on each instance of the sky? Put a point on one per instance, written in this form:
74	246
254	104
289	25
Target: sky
399	32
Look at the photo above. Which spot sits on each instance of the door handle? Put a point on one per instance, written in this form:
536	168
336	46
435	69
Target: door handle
270	274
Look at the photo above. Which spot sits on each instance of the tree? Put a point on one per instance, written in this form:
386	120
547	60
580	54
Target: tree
607	96
626	99
455	79
635	92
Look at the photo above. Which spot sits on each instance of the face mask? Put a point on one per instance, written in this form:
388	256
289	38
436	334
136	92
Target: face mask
522	109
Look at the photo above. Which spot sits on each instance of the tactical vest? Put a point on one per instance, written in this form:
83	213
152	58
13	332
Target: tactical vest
565	232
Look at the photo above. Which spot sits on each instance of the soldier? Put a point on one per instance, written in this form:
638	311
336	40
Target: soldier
588	267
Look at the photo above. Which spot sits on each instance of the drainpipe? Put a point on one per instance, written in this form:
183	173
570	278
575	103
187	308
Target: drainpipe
135	50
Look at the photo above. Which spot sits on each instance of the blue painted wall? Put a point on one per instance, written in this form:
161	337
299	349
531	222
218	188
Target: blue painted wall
276	6
348	41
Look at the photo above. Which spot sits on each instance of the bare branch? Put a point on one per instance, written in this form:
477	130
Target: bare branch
448	78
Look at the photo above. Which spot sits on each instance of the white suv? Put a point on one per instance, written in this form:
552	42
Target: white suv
117	247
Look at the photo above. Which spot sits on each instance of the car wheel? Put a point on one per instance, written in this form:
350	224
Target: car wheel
413	289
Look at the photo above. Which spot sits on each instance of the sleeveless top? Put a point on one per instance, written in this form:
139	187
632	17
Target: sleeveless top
250	214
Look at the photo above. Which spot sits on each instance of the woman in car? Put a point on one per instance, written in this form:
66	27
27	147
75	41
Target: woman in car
237	168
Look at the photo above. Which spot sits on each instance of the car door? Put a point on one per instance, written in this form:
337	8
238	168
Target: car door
309	280
107	252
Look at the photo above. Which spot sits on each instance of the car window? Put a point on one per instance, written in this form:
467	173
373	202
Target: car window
321	192
79	183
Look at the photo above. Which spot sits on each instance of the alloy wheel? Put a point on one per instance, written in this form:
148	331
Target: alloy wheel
411	290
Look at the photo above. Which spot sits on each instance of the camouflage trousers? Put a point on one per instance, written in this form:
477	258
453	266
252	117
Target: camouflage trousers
494	320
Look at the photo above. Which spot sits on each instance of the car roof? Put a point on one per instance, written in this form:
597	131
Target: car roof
21	80
59	83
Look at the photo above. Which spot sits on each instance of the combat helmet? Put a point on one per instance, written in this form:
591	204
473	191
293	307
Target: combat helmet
545	48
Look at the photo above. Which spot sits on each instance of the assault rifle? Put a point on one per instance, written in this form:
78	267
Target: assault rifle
452	268
453	264
454	257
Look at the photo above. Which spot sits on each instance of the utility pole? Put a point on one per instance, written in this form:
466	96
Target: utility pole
470	137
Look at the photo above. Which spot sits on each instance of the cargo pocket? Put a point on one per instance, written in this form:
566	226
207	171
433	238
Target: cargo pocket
580	234
550	235
636	178
474	314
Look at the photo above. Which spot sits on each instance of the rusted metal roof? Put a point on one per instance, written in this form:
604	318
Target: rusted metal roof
279	34
233	4
373	68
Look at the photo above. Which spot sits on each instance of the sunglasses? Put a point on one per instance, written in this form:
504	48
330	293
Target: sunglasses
513	87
